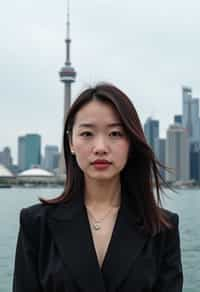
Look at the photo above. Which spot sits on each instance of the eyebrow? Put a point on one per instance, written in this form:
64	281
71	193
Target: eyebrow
89	125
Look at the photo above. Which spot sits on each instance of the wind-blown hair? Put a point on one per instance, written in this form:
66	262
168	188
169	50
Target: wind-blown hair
141	174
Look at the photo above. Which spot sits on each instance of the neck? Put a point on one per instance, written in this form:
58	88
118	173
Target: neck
102	193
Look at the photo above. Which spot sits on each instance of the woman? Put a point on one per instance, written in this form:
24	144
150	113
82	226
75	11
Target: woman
107	231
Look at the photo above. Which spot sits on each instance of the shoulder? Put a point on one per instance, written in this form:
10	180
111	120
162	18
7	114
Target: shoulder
170	247
35	214
173	217
33	224
169	235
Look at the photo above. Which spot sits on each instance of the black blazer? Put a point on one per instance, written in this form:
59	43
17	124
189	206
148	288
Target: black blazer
55	253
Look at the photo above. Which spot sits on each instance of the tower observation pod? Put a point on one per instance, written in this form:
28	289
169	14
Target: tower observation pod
67	76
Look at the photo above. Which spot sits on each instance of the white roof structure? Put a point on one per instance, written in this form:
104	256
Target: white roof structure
35	172
4	172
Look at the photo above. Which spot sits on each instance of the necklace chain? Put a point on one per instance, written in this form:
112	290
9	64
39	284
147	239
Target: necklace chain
97	223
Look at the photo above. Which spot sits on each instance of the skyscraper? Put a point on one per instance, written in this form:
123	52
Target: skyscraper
195	119
178	119
51	153
22	153
29	151
151	131
67	76
6	158
177	153
160	151
187	113
191	114
195	161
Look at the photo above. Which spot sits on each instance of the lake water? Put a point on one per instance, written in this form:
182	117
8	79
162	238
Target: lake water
186	203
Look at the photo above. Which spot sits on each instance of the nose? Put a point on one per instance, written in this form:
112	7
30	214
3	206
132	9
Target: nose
100	145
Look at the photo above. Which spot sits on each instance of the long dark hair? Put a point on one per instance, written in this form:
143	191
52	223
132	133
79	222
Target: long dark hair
142	170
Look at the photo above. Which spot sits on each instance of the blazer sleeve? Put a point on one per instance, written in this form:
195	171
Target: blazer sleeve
170	275
25	276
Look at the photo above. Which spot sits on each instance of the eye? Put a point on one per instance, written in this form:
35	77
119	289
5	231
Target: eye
86	134
116	134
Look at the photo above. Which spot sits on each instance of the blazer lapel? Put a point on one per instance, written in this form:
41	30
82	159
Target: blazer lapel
128	240
70	229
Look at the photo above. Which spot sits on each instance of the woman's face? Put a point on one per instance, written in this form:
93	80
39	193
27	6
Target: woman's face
99	135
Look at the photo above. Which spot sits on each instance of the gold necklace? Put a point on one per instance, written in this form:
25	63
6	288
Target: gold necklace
96	225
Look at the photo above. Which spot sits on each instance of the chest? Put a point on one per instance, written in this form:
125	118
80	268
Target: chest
103	234
68	261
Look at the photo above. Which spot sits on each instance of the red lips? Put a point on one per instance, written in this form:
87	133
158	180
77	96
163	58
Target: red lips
101	161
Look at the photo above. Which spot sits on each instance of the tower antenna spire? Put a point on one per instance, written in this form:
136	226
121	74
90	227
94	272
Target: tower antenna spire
68	19
68	40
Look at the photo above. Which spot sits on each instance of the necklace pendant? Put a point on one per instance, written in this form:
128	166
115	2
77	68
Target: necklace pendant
96	226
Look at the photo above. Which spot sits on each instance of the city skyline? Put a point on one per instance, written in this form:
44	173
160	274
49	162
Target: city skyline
179	150
148	50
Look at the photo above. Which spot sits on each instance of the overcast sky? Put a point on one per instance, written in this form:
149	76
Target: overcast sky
147	48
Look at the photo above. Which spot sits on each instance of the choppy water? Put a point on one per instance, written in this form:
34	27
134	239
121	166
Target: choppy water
186	203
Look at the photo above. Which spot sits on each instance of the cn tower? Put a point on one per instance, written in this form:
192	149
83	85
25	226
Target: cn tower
67	76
